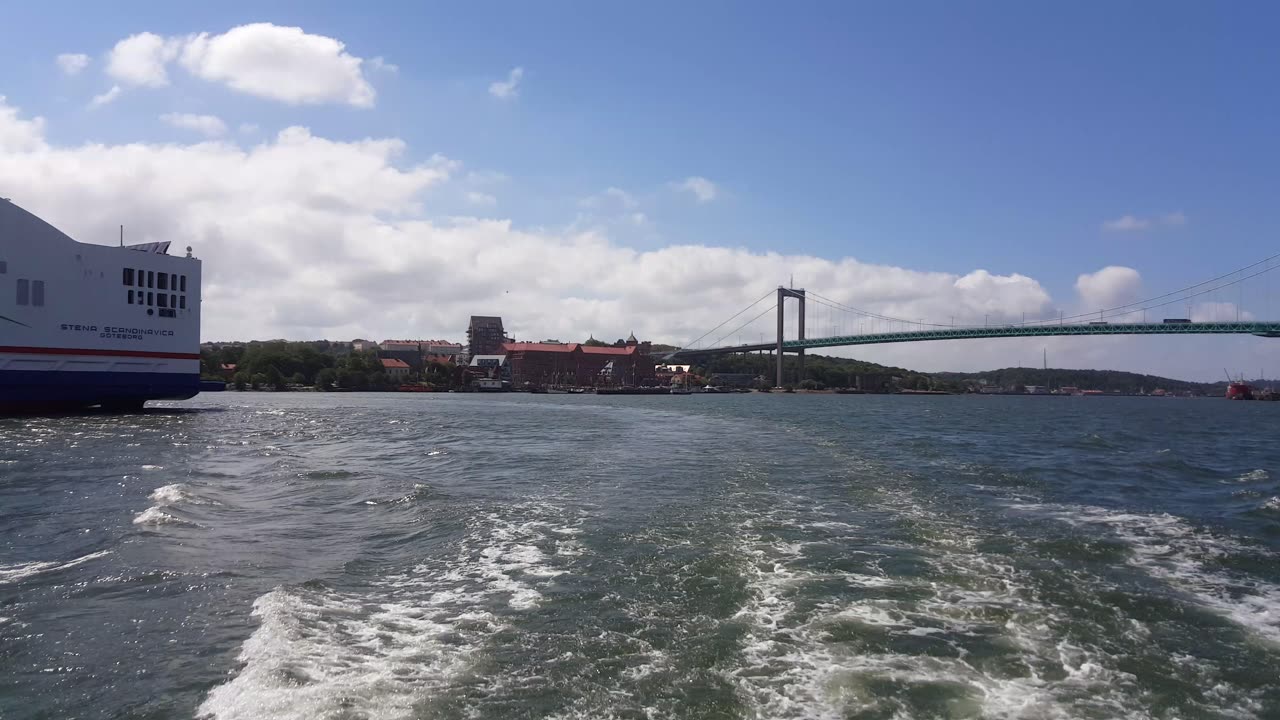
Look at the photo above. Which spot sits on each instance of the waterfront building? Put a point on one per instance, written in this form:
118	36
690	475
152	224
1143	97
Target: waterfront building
395	369
485	335
581	365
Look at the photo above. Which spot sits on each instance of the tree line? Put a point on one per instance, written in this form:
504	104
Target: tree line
282	365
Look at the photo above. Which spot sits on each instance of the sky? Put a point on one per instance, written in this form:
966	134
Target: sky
599	169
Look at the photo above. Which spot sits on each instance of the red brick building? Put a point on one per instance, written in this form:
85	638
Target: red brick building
580	365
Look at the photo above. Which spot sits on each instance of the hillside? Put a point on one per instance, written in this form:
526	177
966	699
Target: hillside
1105	380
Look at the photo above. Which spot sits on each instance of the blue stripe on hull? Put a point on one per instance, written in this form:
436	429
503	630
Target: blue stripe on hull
34	390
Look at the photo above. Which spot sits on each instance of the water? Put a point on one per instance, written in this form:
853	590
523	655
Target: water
749	556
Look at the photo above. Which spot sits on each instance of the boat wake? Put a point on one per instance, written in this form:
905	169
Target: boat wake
412	641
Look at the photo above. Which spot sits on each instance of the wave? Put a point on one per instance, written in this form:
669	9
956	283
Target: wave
178	493
1169	548
950	623
413	635
155	516
1258	475
16	573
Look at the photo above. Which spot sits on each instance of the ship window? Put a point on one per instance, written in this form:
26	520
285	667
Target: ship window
4	268
183	288
151	298
164	281
130	297
173	301
24	292
128	276
164	300
151	278
37	293
173	282
182	302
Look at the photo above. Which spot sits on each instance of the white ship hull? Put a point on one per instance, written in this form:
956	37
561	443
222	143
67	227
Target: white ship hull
92	325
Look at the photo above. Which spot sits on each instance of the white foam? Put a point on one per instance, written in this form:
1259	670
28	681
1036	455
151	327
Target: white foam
1254	476
325	654
155	516
1171	549
797	661
1272	503
22	571
315	654
152	467
177	493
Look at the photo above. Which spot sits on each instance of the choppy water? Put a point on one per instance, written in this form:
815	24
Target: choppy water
762	556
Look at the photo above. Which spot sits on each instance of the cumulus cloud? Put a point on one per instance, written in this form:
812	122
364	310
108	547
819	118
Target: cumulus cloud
1109	287
279	63
72	63
269	61
207	125
106	97
307	237
1133	223
378	63
481	199
509	88
141	59
701	188
16	134
304	236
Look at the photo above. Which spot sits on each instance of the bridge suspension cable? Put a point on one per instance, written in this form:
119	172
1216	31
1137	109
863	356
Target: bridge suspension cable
734	331
731	319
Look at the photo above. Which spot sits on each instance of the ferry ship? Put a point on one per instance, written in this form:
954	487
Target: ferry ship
85	325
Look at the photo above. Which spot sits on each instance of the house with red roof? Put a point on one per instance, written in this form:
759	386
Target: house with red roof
395	369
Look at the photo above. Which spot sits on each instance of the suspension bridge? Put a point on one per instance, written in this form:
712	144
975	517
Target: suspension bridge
1202	317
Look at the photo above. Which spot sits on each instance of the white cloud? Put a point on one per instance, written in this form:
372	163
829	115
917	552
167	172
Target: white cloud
72	63
1133	223
1126	223
16	134
270	61
610	198
248	128
1212	311
106	97
208	125
510	88
701	188
481	199
1109	287
307	237
378	63
141	59
279	63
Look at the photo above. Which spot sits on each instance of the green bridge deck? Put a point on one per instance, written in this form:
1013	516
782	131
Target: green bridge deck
1261	329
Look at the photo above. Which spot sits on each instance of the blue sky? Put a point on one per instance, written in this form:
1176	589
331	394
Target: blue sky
931	136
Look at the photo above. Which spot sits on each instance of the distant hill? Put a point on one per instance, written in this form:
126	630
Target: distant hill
1105	380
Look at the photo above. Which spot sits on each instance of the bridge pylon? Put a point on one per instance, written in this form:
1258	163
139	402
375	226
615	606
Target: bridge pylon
783	294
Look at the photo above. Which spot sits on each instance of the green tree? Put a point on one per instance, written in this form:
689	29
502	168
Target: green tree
274	378
326	378
242	379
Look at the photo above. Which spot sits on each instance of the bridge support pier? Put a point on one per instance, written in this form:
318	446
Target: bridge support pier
783	294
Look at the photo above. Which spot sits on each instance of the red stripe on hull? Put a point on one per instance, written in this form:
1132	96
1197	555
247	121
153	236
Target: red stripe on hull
101	353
